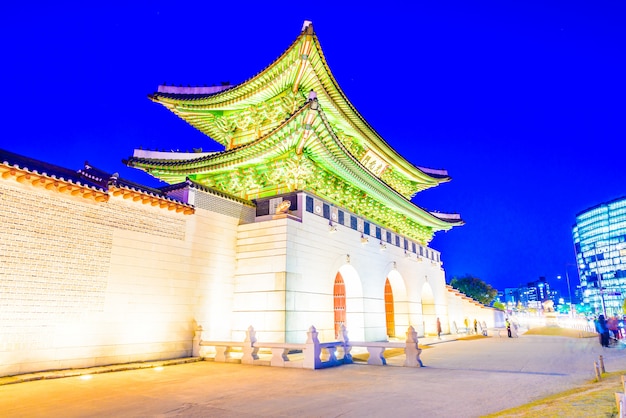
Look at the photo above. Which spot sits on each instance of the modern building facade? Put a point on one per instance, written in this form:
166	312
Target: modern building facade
305	218
600	243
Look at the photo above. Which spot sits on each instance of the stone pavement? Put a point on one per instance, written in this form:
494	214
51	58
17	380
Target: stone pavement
462	378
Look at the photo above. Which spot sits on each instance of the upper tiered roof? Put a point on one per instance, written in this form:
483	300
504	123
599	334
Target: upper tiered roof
289	128
236	114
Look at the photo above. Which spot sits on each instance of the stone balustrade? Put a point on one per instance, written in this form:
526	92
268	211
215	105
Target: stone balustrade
314	354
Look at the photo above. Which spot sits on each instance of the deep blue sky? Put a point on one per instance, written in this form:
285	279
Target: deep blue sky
524	104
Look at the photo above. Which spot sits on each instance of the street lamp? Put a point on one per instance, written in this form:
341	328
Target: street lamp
569	289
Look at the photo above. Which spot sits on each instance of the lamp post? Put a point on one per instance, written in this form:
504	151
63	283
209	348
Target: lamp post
569	291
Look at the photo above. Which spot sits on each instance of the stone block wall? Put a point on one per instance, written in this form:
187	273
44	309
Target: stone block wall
84	283
286	268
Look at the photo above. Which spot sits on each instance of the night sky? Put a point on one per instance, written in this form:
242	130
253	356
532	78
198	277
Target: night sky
523	104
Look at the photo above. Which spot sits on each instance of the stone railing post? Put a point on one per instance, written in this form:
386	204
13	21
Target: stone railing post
343	338
328	355
250	352
312	350
279	356
222	353
411	349
377	356
195	344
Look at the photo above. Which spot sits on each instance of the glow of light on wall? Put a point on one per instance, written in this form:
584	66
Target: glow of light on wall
86	377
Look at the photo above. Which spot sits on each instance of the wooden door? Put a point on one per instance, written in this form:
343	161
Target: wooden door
389	314
340	303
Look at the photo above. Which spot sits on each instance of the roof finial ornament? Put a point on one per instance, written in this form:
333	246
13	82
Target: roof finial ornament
307	25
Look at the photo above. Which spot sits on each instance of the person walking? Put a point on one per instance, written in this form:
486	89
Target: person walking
603	331
508	327
438	328
612	324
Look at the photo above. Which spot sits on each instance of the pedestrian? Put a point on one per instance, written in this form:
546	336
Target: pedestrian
508	327
475	326
438	328
612	324
602	330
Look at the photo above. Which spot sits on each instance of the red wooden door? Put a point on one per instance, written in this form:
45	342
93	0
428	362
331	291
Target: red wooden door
389	314
340	303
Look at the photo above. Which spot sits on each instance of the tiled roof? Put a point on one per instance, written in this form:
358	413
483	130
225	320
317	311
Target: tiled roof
48	170
287	65
324	148
87	177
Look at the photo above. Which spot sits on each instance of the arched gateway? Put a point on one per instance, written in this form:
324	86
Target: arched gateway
296	148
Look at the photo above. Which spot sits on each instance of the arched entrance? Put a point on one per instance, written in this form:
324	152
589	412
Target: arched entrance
429	312
339	293
348	303
396	305
389	310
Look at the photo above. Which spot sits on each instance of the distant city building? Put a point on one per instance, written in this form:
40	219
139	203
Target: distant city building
531	295
599	239
511	295
536	292
542	288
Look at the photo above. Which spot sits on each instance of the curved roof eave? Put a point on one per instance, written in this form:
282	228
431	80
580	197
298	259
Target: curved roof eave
337	100
367	132
339	158
383	191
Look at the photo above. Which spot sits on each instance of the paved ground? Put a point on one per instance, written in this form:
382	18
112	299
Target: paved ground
464	378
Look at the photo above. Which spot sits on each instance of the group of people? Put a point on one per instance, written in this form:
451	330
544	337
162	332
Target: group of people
607	328
467	327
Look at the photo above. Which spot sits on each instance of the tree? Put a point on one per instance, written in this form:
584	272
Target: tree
475	288
499	305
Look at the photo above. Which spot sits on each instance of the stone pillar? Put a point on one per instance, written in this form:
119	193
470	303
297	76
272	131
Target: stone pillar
248	348
312	350
343	337
411	350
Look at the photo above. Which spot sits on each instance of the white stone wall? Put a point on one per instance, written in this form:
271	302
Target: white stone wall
286	270
85	283
460	308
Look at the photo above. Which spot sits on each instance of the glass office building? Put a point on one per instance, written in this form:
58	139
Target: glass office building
600	242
